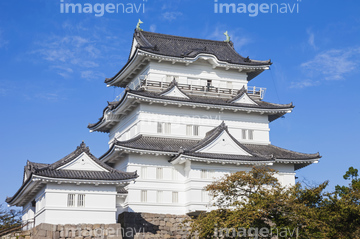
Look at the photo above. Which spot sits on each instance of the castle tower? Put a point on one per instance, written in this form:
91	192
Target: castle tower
186	117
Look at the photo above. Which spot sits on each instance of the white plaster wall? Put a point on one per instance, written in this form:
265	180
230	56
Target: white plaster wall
143	120
100	204
190	187
127	127
197	74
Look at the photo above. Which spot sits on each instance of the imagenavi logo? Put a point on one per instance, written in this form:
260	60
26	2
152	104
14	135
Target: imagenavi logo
254	9
99	9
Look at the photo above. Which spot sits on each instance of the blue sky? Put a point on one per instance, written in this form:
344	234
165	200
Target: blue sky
53	66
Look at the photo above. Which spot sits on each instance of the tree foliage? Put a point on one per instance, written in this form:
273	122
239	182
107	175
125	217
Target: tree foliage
247	202
9	218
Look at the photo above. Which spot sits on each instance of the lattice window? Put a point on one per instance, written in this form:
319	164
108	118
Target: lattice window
71	200
159	173
81	200
143	196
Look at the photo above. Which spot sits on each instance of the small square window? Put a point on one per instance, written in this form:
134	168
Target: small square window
167	128
159	128
196	130
143	195
81	200
71	200
251	134
159	173
143	174
243	133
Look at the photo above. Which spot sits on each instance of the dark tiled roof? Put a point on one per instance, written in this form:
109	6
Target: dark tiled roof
213	100
177	46
181	47
189	147
157	144
279	153
52	171
199	99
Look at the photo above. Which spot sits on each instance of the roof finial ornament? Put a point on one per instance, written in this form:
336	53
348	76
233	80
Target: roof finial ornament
138	25
227	36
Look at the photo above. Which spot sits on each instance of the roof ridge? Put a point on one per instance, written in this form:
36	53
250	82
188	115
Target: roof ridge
184	38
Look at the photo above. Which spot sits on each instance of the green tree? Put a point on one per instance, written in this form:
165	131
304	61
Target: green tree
9	218
256	200
352	174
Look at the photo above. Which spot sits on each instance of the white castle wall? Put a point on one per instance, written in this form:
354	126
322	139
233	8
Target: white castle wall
143	120
196	74
51	205
190	188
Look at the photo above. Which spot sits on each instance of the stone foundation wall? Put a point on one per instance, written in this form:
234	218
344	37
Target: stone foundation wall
131	226
80	231
149	225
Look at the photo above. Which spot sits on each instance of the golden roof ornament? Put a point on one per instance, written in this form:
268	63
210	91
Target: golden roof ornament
227	36
138	25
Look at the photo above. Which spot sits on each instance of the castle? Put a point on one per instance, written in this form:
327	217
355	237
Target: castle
186	117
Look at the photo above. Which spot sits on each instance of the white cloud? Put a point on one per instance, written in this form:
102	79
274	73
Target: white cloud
333	64
92	75
238	41
170	16
48	96
311	39
152	27
304	83
78	49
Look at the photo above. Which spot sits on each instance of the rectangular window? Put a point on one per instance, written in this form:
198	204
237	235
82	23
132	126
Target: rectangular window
71	200
196	130
204	173
167	128
251	134
159	173
189	130
175	197
81	200
159	196
143	174
143	195
243	133
192	130
159	128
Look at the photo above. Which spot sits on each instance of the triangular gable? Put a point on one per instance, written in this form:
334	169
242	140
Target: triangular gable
133	47
175	92
223	144
244	99
83	162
